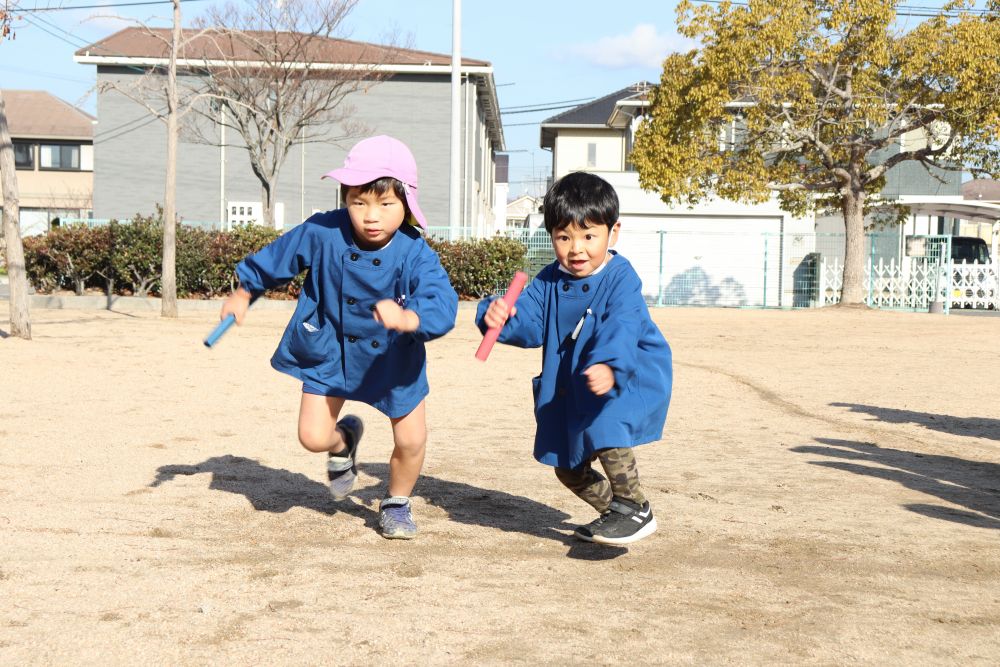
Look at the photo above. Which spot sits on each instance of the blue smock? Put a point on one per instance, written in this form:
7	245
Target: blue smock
608	313
333	342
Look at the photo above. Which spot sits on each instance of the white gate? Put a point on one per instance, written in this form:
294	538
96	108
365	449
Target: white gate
912	283
975	285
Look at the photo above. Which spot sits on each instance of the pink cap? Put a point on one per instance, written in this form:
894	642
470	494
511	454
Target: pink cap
376	157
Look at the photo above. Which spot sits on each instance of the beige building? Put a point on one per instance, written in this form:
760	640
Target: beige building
54	155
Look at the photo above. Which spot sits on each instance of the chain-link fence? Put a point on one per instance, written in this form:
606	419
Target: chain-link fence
792	270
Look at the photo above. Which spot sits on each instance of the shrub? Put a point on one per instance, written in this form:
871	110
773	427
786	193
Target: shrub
127	258
80	253
480	267
42	270
137	252
193	261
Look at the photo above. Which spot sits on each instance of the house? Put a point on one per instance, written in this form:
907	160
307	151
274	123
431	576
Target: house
726	253
53	156
983	190
215	183
596	136
519	210
720	253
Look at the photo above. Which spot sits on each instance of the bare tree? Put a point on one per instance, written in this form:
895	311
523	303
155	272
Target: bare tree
279	76
20	321
151	91
6	17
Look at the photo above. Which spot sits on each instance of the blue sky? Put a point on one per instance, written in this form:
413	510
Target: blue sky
544	52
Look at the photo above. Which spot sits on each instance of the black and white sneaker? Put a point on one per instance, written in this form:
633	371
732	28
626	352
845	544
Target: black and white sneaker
341	468
624	522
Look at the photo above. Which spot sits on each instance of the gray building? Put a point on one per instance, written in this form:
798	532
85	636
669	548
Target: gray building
410	99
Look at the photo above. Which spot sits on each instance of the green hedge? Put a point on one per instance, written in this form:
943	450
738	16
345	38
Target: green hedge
481	266
125	258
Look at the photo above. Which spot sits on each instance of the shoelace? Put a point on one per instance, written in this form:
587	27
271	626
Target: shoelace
599	521
399	514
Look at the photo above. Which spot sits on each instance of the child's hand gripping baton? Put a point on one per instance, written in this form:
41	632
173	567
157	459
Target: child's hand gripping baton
223	326
513	291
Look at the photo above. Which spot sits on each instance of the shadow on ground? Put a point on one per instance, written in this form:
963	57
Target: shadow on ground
975	427
273	490
974	485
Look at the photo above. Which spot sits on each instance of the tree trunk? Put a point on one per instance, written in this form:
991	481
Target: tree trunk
20	321
267	204
168	278
853	290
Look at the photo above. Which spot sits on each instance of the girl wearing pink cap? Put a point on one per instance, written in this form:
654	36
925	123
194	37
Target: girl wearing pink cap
374	293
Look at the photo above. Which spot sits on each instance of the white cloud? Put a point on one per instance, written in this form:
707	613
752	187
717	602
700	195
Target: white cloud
643	47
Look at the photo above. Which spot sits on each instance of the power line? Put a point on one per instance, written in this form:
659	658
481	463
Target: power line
46	30
69	36
562	106
539	104
110	5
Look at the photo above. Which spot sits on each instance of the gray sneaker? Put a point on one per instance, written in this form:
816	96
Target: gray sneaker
624	522
395	518
341	468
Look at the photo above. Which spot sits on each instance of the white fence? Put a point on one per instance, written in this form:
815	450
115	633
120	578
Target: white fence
912	285
975	285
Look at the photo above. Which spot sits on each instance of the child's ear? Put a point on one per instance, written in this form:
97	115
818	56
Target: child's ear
613	236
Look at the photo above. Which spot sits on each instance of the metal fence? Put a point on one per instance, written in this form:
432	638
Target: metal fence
791	270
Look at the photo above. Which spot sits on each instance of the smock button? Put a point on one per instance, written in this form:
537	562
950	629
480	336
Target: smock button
354	256
565	287
372	307
351	301
377	262
374	343
352	339
586	288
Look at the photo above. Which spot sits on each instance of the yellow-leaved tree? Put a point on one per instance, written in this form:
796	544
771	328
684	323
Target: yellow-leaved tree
819	93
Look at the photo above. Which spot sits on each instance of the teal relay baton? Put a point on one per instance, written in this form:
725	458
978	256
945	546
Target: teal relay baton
223	326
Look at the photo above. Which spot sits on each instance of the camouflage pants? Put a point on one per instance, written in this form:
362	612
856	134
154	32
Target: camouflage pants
597	491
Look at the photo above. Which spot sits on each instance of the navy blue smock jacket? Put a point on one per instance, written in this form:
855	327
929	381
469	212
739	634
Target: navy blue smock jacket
616	330
333	342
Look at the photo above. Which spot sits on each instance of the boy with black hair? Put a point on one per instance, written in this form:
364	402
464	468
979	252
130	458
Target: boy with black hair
606	368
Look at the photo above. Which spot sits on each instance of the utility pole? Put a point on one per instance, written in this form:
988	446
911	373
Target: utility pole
454	181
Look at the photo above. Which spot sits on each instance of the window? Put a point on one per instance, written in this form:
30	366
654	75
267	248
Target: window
591	155
24	155
59	156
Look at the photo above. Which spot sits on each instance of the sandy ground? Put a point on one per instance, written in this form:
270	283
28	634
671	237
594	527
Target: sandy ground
827	490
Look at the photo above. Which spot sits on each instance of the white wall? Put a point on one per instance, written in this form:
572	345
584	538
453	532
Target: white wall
721	253
571	151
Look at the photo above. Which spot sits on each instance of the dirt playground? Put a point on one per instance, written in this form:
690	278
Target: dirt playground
827	492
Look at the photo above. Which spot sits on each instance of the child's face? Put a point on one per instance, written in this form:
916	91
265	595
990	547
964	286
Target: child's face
582	250
374	217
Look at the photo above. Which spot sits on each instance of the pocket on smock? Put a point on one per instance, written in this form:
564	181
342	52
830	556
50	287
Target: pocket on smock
312	343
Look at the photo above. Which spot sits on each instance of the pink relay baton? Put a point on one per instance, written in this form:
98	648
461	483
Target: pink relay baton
513	291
